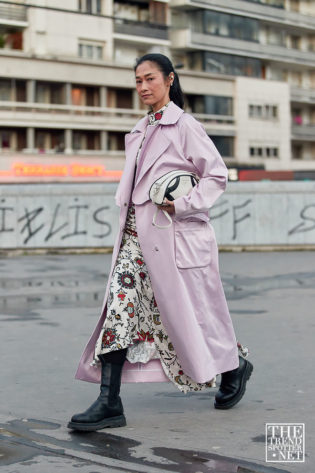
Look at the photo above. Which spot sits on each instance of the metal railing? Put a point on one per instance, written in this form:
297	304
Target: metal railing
259	11
104	112
252	49
36	107
13	12
213	119
275	4
299	94
140	28
303	132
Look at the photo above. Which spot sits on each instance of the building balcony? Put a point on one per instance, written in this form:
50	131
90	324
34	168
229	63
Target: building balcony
13	15
220	125
46	115
254	10
187	39
130	28
300	95
303	133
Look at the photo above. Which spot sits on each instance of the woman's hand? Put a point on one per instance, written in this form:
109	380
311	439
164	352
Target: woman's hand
168	205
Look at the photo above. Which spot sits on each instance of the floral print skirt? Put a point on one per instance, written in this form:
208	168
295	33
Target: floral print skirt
133	320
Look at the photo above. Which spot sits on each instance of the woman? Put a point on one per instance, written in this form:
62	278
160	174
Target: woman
164	302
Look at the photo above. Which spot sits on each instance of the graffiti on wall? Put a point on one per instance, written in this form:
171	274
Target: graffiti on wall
64	221
307	220
244	214
58	222
239	213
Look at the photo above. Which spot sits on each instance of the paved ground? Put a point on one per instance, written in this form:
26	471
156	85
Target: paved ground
49	305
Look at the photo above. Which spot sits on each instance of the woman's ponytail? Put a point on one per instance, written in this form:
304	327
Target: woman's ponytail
176	93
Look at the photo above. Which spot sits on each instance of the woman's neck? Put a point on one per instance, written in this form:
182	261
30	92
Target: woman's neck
156	107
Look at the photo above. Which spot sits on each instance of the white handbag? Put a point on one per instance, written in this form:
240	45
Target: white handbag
171	185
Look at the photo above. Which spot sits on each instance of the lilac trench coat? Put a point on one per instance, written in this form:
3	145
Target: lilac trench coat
182	260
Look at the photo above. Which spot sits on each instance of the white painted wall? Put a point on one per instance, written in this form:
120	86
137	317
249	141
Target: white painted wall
251	131
85	215
55	33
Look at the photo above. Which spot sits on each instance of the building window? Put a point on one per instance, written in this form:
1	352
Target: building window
264	112
42	94
46	92
277	74
225	145
99	52
5	90
90	50
233	65
88	7
85	140
91	7
13	139
295	5
210	104
271	3
12	39
85	96
275	36
311	43
297	116
295	42
222	24
295	78
132	11
49	140
263	151
216	105
119	98
115	141
5	138
297	151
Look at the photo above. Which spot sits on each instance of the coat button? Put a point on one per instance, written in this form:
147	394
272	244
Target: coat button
125	204
156	248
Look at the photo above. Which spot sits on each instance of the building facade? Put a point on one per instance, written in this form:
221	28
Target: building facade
67	90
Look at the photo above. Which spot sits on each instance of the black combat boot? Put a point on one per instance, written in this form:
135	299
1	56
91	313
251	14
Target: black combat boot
107	410
233	385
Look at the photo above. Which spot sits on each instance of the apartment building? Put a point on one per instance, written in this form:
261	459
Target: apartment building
67	84
266	39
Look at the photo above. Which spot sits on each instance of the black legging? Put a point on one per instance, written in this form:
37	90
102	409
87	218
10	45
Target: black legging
117	357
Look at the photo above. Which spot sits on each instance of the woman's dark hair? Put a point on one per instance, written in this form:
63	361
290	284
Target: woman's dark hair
166	67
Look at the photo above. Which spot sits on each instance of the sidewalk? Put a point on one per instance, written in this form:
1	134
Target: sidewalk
50	304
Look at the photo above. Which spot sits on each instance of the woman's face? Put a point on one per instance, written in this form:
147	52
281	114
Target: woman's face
152	87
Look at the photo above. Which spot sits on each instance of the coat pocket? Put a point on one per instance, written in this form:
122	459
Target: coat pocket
193	246
196	217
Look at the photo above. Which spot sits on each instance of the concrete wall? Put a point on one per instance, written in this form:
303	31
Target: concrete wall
263	132
85	215
52	32
266	213
58	215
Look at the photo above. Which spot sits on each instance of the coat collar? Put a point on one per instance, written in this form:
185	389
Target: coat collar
170	116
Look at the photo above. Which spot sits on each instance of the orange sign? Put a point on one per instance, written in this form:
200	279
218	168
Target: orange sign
75	170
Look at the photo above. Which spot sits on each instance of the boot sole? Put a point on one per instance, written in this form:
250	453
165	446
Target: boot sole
247	374
118	421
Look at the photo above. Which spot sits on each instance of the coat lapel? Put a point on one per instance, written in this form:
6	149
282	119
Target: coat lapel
156	142
154	145
132	143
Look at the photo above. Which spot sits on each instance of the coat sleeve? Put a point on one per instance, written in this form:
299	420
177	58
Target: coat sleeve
200	150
